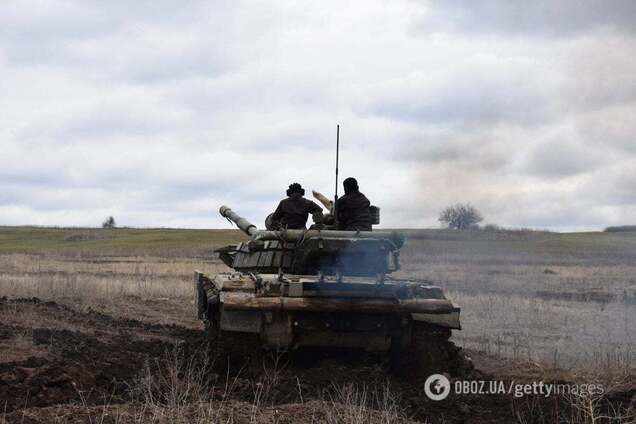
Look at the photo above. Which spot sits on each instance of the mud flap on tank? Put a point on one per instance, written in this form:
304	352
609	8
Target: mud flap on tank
200	299
206	296
449	320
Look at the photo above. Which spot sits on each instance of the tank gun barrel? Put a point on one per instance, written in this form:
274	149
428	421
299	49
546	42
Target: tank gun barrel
296	235
244	225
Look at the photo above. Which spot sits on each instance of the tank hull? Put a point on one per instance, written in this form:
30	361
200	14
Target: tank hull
289	312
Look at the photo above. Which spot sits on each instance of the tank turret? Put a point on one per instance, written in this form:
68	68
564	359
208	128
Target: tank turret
312	252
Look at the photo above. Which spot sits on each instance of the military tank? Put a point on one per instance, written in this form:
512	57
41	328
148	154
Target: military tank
291	289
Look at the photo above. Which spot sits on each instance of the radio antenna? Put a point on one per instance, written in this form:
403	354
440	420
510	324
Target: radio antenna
335	201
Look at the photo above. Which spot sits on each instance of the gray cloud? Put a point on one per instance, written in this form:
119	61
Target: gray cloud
466	148
158	113
564	157
467	97
541	17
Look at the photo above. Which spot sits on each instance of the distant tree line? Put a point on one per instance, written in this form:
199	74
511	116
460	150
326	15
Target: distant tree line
619	228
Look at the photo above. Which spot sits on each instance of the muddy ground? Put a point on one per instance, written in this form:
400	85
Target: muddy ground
69	364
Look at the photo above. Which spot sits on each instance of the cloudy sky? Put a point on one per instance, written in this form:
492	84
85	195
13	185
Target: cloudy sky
159	111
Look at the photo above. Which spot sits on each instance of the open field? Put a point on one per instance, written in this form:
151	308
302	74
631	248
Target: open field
112	337
566	301
120	241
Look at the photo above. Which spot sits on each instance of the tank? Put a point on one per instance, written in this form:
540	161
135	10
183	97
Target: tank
293	289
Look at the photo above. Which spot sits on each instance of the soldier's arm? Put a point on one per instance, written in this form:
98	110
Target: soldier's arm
315	211
278	213
313	207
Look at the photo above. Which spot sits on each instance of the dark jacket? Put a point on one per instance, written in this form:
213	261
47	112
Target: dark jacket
292	213
353	212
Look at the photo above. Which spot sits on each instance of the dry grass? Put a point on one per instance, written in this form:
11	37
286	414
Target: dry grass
181	389
134	287
498	292
578	408
572	311
97	242
577	337
496	282
352	403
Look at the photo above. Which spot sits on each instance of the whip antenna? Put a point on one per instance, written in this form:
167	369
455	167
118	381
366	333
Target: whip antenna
335	201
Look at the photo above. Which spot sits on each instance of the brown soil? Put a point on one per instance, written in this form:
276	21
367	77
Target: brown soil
93	355
93	359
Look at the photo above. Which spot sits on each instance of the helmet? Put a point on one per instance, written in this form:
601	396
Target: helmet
295	188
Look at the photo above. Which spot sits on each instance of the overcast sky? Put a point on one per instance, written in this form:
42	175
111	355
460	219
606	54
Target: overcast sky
157	112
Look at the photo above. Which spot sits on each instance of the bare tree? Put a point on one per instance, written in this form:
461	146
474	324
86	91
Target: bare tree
109	223
460	216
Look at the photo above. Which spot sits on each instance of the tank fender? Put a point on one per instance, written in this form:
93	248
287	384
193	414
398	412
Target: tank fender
447	320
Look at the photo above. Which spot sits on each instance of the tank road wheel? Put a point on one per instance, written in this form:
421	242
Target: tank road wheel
430	352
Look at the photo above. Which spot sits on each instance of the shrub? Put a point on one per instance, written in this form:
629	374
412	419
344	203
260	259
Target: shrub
109	222
460	217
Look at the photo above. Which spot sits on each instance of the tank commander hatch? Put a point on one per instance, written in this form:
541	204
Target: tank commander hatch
353	208
292	212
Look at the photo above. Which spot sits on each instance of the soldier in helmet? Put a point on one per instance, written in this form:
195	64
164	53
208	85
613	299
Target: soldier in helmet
353	208
292	212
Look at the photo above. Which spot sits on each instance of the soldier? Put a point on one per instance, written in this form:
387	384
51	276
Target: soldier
292	213
353	208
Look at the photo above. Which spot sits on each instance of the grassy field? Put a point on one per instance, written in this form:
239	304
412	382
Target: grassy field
560	301
606	247
119	241
566	300
534	305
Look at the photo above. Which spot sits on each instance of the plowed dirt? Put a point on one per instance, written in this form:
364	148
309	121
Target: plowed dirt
92	356
85	363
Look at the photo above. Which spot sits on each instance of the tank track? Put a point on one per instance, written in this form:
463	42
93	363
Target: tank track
233	352
430	352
